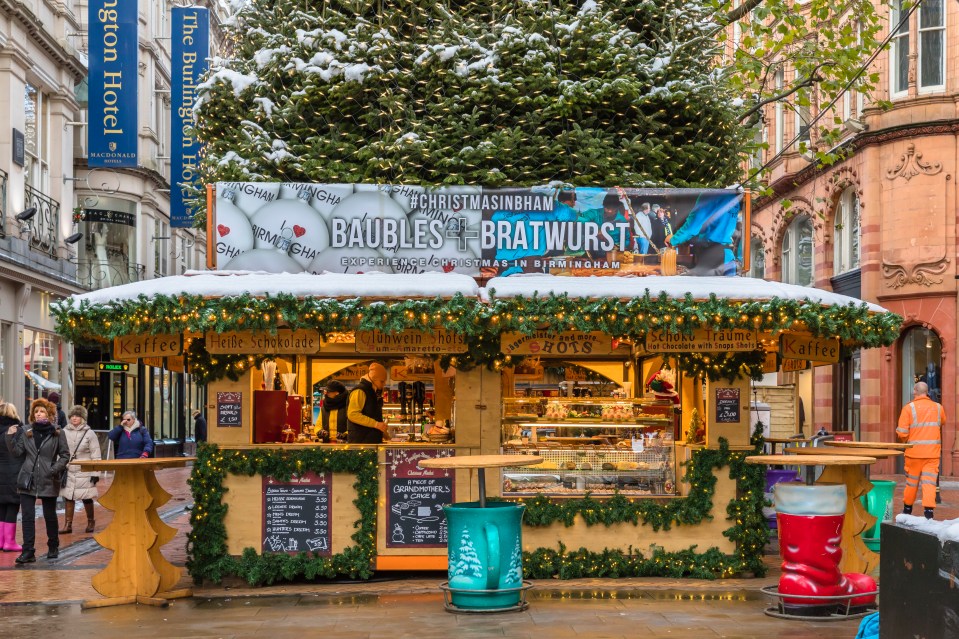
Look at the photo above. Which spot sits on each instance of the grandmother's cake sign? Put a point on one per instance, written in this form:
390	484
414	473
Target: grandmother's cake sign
478	231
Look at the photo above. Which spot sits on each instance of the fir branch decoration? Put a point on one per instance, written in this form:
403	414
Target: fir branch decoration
207	556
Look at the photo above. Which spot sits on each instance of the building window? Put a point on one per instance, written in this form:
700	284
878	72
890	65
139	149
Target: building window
797	252
921	362
757	258
780	113
846	245
898	52
803	117
161	252
36	113
847	375
42	364
932	45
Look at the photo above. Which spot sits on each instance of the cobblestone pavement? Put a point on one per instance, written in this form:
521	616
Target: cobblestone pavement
410	604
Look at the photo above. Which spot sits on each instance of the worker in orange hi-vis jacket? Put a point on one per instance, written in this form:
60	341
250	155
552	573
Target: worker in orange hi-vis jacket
920	424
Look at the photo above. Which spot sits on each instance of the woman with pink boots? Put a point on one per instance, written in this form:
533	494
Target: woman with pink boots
83	445
9	469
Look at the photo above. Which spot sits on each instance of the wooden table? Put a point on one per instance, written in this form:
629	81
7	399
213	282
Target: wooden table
883	445
137	572
840	466
858	558
481	463
773	441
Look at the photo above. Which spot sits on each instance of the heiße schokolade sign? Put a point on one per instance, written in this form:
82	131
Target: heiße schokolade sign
285	341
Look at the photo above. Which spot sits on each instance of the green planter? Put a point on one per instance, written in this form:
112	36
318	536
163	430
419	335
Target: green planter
878	502
485	555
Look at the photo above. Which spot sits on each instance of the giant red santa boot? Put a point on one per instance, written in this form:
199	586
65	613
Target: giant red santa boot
810	529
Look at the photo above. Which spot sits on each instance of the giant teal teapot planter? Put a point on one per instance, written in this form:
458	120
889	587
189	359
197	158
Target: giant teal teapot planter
485	555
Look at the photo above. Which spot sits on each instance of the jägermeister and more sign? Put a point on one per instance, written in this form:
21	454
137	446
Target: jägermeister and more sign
285	342
437	341
703	340
809	348
546	343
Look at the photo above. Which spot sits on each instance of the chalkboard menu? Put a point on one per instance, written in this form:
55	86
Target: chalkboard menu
415	498
229	409
296	514
727	406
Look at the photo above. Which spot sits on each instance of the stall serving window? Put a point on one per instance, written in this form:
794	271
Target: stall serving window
591	435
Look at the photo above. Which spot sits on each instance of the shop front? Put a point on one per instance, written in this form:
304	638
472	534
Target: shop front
635	392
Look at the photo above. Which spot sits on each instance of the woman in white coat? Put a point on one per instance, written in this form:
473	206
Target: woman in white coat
80	486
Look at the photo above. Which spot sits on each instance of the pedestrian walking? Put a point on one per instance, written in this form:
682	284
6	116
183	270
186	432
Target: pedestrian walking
199	426
131	438
61	417
43	449
80	486
9	469
920	424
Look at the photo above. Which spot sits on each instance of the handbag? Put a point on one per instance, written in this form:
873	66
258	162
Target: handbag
26	485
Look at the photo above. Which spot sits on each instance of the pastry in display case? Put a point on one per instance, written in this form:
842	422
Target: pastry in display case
598	445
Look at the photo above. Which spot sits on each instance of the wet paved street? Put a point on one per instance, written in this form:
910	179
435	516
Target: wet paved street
43	599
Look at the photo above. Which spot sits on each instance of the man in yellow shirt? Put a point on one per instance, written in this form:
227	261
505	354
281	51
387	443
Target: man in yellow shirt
365	411
920	424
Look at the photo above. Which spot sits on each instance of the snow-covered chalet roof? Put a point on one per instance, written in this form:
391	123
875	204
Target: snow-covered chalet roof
677	286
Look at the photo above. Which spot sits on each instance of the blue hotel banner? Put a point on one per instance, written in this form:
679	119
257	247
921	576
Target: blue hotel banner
112	129
191	47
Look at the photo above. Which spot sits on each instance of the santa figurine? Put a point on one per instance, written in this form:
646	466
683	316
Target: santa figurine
662	384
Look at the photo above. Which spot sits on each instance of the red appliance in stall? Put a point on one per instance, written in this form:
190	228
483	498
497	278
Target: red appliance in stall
269	416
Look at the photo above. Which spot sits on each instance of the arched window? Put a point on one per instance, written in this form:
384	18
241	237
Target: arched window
797	253
921	362
757	258
846	244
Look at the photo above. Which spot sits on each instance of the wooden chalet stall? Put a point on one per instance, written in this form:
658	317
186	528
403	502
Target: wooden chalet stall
563	367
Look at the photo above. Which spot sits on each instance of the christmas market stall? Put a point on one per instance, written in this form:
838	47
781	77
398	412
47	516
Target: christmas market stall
633	391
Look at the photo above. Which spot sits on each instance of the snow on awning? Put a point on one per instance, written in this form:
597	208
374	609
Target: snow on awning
676	287
327	285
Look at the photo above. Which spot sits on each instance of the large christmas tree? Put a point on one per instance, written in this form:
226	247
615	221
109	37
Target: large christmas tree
495	93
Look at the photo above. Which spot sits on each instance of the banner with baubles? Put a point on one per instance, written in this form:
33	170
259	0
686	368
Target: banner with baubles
483	232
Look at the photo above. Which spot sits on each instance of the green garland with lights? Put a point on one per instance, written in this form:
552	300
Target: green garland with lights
207	556
207	368
749	531
479	322
719	366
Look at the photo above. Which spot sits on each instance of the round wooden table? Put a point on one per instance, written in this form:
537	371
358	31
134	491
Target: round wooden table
840	466
137	572
883	445
481	463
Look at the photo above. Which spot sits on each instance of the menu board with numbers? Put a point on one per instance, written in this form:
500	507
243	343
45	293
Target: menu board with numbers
415	498
229	409
727	406
296	514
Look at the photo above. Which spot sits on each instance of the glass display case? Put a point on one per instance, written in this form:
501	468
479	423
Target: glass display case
596	445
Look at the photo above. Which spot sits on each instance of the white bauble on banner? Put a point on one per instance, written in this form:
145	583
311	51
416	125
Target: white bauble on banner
373	204
249	196
361	260
265	259
325	196
232	233
292	226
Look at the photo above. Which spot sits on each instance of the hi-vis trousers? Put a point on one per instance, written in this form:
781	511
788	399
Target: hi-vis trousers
921	471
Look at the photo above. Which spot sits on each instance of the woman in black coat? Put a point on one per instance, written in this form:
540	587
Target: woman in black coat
9	469
45	454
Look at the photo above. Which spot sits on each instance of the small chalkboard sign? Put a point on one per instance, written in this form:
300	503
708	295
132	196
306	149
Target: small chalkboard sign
415	498
727	406
296	514
229	409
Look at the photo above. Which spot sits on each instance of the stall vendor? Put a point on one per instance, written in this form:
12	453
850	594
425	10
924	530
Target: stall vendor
331	424
365	411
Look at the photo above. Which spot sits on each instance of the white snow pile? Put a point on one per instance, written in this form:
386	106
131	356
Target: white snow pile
947	530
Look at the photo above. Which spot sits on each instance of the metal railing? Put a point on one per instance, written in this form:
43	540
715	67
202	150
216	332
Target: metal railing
45	225
4	176
95	274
